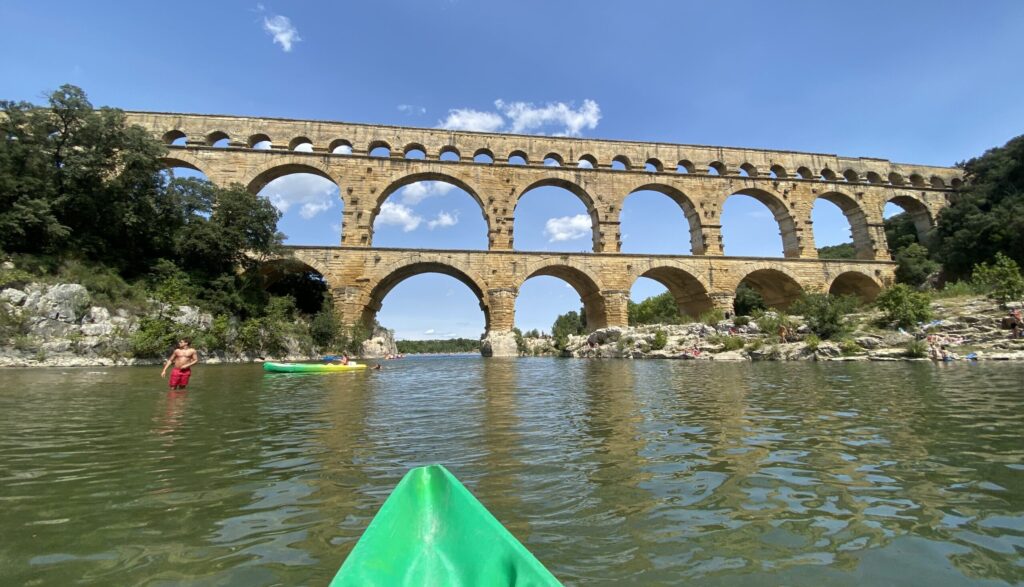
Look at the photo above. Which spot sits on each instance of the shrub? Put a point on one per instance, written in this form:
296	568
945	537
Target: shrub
957	289
825	314
770	322
324	328
755	344
812	342
660	340
14	278
156	337
1001	279
848	347
741	320
712	317
916	349
904	306
729	343
913	265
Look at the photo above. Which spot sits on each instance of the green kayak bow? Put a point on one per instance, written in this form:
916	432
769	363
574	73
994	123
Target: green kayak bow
432	531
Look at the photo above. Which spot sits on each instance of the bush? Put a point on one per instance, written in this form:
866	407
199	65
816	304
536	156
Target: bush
660	340
913	265
748	301
14	278
741	320
712	317
957	289
848	347
325	328
916	349
156	337
825	314
812	342
1001	279
729	343
770	322
904	306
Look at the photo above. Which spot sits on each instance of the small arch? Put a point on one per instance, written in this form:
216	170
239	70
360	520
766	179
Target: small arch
778	172
449	153
956	183
855	283
851	176
685	166
895	178
218	139
748	170
918	212
379	149
274	170
689	292
587	162
697	244
518	158
414	151
183	160
804	173
937	182
483	156
340	147
175	138
259	142
717	168
780	213
917	180
301	144
620	163
828	175
574	189
777	287
857	219
553	160
653	166
873	177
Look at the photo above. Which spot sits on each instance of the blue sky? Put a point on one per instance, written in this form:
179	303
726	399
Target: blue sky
930	83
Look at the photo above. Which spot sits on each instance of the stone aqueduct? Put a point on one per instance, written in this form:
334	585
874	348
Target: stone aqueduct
369	163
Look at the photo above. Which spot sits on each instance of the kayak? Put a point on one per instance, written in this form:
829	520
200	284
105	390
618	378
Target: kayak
432	531
310	367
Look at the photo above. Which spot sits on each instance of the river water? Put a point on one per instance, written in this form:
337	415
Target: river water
611	472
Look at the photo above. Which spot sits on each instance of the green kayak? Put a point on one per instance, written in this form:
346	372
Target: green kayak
432	531
309	367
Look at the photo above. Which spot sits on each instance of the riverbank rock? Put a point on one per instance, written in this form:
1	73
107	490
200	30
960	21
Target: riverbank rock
499	344
380	344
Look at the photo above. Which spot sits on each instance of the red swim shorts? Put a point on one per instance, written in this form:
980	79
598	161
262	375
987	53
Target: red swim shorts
179	377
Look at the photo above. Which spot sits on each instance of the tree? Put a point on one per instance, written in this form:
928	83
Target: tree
1001	279
659	309
565	325
913	265
840	251
748	300
904	306
987	217
825	314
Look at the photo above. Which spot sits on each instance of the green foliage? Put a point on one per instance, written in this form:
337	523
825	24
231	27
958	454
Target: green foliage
913	265
170	284
660	340
520	343
916	349
748	301
904	306
565	325
840	251
729	343
957	289
12	325
14	278
1001	279
325	328
741	320
769	323
812	342
219	336
987	217
848	347
755	345
712	317
659	309
451	345
156	337
900	232
825	314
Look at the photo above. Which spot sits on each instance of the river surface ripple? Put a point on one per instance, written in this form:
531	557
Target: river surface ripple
611	472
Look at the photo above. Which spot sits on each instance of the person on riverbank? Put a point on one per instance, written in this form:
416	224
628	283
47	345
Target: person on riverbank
182	358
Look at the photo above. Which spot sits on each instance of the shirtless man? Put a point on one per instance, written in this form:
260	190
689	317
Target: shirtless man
182	358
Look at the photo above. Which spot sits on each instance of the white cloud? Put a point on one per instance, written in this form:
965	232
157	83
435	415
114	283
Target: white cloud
429	331
399	215
466	119
411	109
558	118
526	117
282	30
415	193
444	220
565	228
312	194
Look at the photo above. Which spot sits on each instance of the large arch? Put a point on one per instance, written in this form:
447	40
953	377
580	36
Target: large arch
858	220
404	181
689	291
779	210
577	191
918	212
588	288
697	245
855	283
258	178
373	298
778	287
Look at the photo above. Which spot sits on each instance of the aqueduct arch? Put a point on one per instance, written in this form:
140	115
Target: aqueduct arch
703	177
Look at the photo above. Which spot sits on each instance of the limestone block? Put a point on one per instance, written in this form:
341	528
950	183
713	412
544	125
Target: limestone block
499	344
12	296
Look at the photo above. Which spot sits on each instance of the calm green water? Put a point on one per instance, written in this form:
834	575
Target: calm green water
611	472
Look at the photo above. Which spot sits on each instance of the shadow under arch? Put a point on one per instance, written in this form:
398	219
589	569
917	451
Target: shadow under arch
918	212
855	283
778	288
384	285
575	190
588	289
697	246
689	292
428	176
787	226
858	220
268	173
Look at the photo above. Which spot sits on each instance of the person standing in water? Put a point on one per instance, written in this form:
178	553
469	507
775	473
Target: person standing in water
182	358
